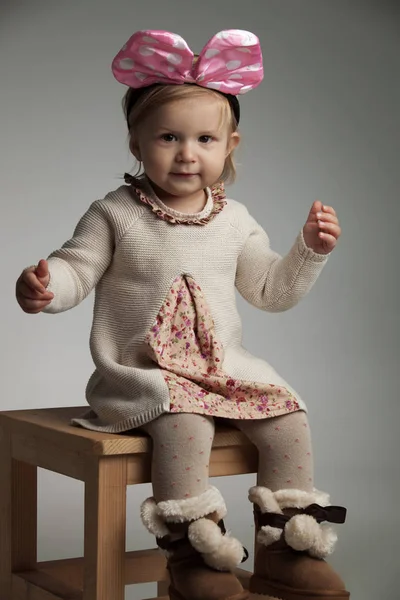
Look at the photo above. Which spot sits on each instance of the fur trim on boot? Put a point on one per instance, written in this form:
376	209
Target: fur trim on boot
301	532
202	515
201	555
219	551
289	563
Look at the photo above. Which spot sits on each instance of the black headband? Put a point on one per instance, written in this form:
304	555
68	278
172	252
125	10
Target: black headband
135	94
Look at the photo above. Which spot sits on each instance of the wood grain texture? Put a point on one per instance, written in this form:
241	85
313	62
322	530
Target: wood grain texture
105	524
39	586
54	426
23	516
5	515
141	566
162	588
18	516
48	455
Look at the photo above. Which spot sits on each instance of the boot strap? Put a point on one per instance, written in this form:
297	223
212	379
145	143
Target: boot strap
332	514
169	543
222	527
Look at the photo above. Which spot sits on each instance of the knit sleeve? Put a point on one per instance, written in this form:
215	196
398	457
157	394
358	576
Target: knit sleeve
269	281
80	263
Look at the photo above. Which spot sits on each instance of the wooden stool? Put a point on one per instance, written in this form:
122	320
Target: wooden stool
107	464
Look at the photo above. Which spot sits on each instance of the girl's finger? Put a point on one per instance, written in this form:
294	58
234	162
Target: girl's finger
31	280
27	292
42	269
33	306
330	228
328	209
328	239
326	216
316	207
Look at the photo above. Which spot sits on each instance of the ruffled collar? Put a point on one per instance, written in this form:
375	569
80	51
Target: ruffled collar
216	200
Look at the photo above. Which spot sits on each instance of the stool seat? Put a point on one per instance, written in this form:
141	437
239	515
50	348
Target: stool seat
107	464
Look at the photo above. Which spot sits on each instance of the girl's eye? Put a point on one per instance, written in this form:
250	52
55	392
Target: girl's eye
205	139
168	137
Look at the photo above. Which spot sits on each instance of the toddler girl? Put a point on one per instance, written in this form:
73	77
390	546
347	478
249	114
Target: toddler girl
165	253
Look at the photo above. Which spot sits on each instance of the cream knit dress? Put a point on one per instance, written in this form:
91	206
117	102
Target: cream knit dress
166	334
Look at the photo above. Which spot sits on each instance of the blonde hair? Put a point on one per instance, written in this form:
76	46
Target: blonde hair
138	104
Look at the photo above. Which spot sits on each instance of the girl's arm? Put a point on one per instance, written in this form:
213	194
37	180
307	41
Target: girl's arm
272	282
77	267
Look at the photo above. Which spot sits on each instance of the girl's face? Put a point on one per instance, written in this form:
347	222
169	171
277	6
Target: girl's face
183	146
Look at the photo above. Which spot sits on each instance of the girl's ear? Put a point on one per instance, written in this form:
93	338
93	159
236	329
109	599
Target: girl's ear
233	142
134	148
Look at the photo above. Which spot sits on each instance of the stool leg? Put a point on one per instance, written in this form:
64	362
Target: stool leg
105	526
162	588
18	517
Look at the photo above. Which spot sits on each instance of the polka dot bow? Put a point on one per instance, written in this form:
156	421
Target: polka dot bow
231	62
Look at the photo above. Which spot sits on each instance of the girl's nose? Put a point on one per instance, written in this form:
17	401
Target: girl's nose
186	152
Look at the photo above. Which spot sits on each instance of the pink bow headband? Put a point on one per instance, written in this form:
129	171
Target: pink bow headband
230	62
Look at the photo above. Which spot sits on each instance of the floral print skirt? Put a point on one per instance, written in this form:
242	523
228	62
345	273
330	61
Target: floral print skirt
185	347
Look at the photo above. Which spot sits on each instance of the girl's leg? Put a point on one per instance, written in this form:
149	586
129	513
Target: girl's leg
181	452
185	513
285	451
288	512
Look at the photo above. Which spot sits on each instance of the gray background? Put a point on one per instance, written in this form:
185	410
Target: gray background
324	124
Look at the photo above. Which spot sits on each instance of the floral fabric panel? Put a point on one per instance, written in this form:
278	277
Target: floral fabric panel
190	356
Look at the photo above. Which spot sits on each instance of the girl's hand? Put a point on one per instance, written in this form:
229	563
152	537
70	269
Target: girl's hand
321	231
30	290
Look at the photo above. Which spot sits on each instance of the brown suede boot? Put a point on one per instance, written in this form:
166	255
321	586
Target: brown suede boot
289	564
200	555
